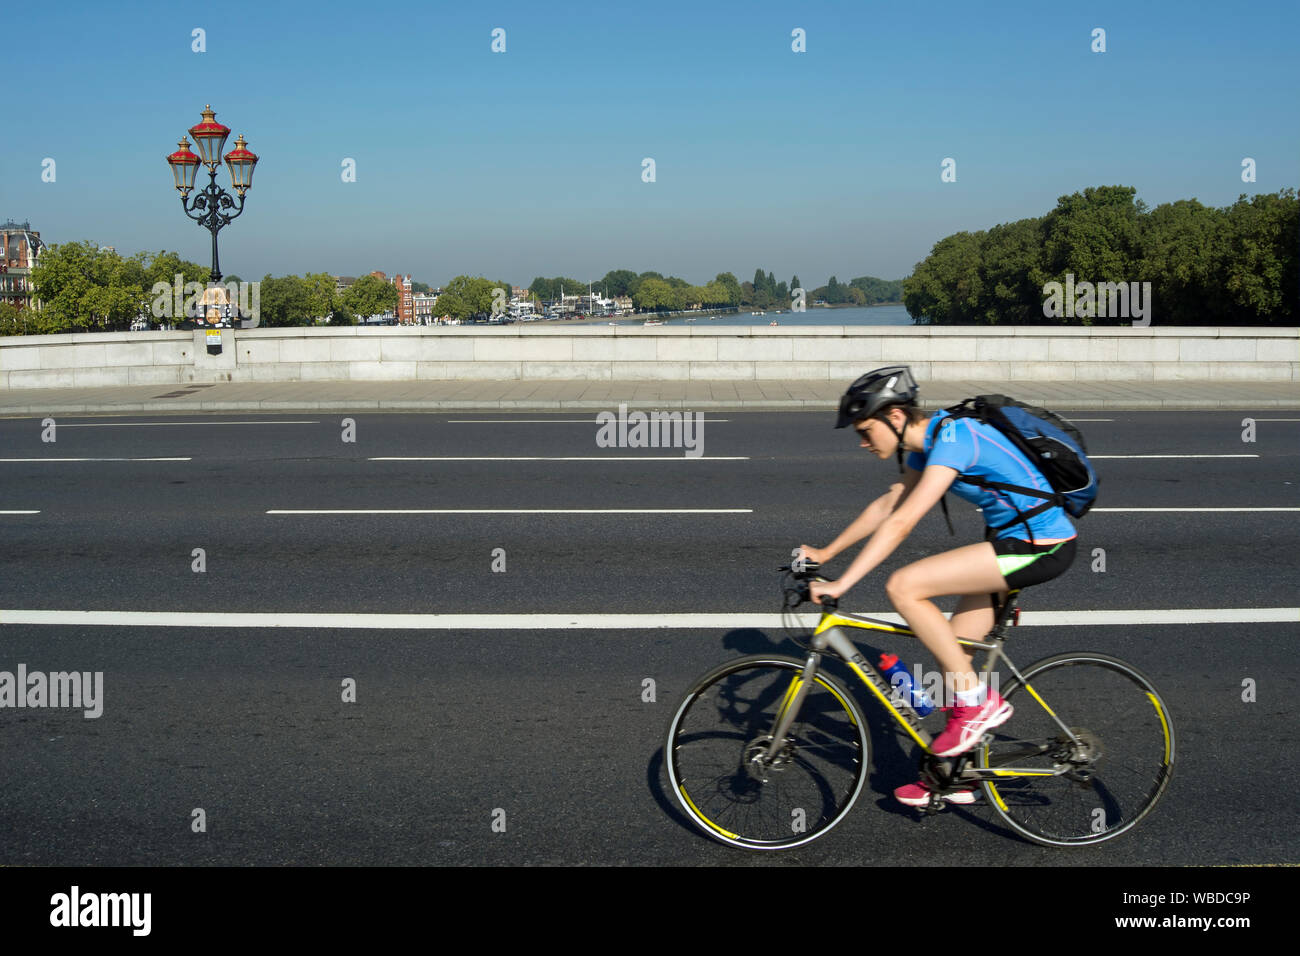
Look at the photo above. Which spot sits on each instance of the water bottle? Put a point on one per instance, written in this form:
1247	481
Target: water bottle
896	673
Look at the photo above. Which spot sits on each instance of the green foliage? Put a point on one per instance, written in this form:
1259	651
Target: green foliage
728	282
875	291
286	301
341	316
548	290
466	297
1239	265
654	293
369	295
82	287
617	282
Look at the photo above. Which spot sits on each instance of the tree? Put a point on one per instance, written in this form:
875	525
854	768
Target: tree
946	285
369	295
654	293
1261	257
465	297
728	282
617	282
320	290
83	287
285	301
164	266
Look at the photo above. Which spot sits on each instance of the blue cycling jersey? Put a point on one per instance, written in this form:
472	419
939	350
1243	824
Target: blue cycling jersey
973	448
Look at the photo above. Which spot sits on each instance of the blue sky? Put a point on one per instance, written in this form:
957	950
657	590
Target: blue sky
529	162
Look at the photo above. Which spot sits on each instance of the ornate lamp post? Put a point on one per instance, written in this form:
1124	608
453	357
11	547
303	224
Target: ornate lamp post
210	204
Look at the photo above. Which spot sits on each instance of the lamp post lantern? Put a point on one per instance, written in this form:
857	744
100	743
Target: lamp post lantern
209	206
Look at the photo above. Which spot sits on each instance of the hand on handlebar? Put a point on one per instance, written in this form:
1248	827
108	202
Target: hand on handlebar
819	589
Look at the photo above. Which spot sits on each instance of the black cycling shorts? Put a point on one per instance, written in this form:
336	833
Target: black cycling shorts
1023	564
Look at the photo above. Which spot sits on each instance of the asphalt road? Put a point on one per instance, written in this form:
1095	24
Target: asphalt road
455	729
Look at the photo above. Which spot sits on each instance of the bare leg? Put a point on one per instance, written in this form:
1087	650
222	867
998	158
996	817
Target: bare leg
971	570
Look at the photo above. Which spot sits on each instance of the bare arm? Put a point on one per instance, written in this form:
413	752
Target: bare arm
934	481
870	519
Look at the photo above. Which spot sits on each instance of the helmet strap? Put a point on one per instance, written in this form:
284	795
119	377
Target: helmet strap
897	434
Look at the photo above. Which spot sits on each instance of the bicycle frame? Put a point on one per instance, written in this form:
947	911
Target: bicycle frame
831	634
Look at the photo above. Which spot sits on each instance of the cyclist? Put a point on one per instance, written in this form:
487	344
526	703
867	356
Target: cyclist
881	407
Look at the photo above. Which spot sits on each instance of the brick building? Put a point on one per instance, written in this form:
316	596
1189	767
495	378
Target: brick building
20	249
405	306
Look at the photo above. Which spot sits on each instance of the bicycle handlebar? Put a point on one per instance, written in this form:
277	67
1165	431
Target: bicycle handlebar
805	572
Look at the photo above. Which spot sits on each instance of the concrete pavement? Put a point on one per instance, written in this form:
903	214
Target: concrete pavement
740	395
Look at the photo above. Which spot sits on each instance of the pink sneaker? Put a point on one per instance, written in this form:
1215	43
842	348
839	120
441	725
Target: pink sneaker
967	725
918	795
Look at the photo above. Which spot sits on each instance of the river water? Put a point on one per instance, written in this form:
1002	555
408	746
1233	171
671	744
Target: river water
869	315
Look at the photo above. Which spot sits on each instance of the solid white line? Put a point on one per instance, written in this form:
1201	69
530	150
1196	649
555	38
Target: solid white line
19	512
1095	510
513	511
543	421
549	622
94	459
595	458
133	424
1173	456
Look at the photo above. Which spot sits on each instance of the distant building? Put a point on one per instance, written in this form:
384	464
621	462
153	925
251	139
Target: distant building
405	305
342	283
423	303
20	250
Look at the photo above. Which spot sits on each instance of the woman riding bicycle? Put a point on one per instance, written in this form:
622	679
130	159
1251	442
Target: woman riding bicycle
881	407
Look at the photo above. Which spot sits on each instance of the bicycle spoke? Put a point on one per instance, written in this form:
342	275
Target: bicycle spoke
1112	772
719	741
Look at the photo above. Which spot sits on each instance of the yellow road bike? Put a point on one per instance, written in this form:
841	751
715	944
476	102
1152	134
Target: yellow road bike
769	752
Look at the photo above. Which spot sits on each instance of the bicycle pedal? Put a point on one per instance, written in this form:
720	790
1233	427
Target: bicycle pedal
936	805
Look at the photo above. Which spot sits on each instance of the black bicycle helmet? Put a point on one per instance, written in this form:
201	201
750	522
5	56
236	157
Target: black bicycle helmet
876	391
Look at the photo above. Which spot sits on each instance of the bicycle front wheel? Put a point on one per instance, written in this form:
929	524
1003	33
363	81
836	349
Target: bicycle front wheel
1099	779
716	754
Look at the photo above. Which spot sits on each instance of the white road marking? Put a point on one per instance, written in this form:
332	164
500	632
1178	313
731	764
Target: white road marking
93	459
514	511
134	424
1095	510
1172	456
594	458
19	512
550	622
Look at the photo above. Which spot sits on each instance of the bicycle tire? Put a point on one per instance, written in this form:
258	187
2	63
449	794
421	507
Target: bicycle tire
1117	772
812	785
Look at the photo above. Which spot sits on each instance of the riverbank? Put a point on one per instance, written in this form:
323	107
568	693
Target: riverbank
884	313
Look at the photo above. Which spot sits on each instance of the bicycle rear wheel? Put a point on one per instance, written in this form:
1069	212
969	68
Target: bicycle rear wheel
1110	775
717	738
